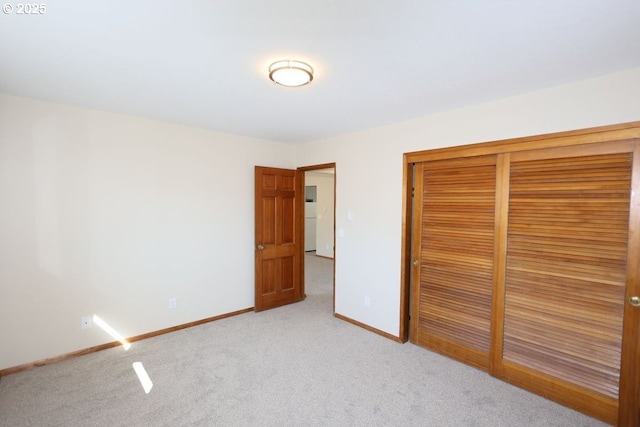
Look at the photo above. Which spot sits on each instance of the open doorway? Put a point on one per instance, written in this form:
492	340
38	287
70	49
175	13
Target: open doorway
319	233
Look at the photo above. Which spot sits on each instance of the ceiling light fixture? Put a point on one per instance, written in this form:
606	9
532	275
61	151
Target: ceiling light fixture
291	73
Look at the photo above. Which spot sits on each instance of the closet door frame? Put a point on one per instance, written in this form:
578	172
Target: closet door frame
629	394
629	411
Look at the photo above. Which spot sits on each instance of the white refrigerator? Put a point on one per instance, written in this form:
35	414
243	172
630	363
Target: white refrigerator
310	209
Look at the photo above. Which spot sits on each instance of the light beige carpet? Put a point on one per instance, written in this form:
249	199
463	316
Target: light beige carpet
293	366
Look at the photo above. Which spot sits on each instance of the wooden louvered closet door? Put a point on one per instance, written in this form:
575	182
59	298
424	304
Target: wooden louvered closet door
564	283
525	262
454	242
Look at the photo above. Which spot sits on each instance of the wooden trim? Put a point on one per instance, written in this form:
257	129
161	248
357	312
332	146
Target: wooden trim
559	139
575	151
299	220
303	169
415	242
629	412
405	257
368	328
453	350
316	167
73	354
335	186
592	404
500	261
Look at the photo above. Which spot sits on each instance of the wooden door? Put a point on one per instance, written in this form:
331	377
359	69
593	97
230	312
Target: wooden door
563	296
453	248
278	240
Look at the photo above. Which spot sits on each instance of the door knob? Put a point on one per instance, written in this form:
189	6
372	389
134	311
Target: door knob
416	262
634	301
260	247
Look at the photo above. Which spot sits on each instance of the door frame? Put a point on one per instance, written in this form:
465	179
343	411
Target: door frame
300	213
406	266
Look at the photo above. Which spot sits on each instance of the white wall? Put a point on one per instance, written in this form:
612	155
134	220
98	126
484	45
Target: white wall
113	215
369	179
324	209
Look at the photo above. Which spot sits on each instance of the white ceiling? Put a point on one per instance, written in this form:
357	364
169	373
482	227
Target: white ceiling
204	63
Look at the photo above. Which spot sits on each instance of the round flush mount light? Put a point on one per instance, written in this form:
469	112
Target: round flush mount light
291	73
